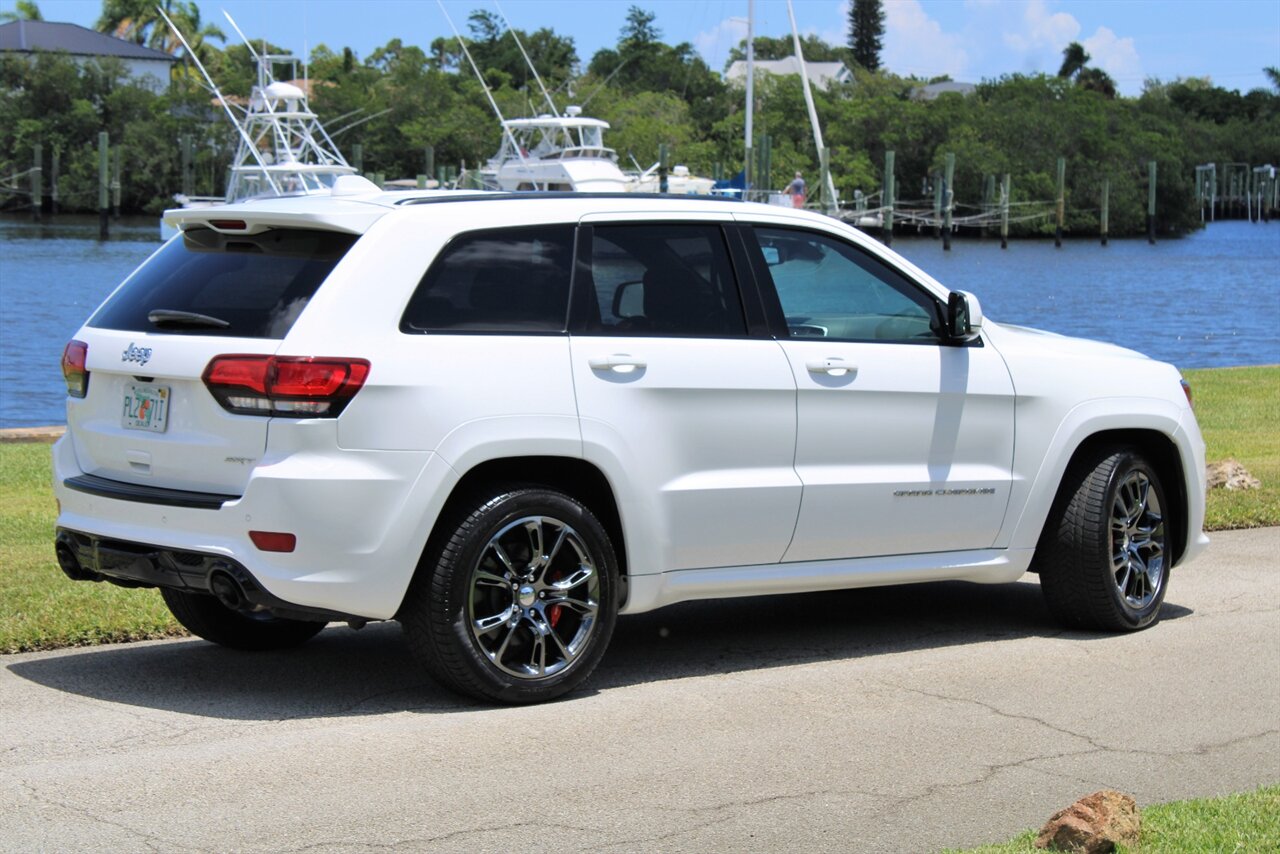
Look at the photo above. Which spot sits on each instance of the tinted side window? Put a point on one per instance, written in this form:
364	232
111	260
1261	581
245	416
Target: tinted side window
829	289
504	280
242	286
663	280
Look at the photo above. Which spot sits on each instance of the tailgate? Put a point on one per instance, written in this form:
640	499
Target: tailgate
148	419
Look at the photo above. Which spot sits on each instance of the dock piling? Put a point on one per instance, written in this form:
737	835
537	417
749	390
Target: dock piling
104	212
1004	211
187	174
117	157
1062	201
948	200
886	228
1151	202
37	190
1104	220
54	165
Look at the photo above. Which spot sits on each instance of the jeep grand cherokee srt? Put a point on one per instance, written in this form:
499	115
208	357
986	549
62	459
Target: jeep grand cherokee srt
504	420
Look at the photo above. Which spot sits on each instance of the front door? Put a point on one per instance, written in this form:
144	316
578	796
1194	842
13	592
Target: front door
905	443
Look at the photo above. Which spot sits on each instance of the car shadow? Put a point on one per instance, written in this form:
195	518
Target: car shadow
342	673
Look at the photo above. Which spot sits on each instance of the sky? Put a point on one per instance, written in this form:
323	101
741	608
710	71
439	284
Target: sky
1229	41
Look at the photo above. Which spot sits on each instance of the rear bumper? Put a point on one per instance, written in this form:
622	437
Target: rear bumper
361	519
86	557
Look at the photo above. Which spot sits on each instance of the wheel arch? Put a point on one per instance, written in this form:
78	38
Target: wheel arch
1160	450
570	475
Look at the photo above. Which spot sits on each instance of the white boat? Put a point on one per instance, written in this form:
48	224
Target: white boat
568	153
283	149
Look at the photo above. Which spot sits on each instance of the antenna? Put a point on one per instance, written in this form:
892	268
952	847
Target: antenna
483	85
240	33
240	130
527	60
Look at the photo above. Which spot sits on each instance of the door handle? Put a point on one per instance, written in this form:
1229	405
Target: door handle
621	363
834	367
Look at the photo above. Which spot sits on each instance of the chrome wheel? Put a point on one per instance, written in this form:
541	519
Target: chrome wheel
1137	540
533	598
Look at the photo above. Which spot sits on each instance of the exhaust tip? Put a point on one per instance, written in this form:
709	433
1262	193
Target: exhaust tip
70	564
227	590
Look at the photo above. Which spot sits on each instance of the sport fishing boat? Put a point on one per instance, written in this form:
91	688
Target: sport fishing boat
282	148
552	152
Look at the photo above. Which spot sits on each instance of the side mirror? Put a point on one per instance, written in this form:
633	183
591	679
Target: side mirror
964	317
628	300
772	256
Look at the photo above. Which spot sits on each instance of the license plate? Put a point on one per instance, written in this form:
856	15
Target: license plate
146	407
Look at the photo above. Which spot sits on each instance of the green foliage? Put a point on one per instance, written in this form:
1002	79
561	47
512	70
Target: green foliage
812	46
403	97
39	607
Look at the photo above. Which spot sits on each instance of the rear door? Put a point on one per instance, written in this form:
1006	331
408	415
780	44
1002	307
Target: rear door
683	401
147	417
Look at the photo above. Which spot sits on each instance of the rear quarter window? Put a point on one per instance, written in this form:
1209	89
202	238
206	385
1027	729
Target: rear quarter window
499	280
207	283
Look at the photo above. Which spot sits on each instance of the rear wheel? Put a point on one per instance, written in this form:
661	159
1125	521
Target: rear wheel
206	617
517	600
1103	556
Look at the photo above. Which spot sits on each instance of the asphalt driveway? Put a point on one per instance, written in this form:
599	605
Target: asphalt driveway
905	718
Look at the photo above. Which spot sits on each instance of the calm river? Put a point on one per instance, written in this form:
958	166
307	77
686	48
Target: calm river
1208	300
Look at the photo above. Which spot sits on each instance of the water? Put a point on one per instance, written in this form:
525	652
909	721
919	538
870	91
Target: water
1208	300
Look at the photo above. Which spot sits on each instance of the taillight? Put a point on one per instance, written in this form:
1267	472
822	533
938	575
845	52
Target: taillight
1186	389
74	356
285	386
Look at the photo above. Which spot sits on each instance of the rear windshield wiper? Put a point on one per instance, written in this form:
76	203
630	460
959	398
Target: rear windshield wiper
169	316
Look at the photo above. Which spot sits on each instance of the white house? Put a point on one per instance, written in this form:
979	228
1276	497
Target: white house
146	66
821	74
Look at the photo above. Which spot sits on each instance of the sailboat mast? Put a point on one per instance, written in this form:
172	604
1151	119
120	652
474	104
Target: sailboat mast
751	89
827	185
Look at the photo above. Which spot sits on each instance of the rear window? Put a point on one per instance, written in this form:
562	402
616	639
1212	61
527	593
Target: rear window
206	283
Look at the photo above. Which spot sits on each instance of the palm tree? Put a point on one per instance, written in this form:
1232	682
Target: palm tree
1074	58
133	20
25	10
186	16
139	21
1272	72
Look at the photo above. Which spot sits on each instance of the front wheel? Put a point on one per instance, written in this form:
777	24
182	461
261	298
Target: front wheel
516	598
1103	556
206	617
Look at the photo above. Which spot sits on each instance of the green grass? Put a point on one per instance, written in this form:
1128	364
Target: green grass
39	607
1238	409
1244	823
1239	414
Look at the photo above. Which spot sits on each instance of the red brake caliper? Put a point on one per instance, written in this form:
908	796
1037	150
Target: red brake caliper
553	612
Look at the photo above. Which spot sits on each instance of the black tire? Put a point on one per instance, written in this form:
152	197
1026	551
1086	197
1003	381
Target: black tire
1103	557
501	624
206	617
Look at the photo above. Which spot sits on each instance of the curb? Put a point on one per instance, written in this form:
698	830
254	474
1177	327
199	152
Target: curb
48	435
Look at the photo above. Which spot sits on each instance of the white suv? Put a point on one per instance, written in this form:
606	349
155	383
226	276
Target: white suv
504	420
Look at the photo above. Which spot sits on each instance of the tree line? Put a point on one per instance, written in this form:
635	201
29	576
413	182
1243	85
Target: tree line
402	98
